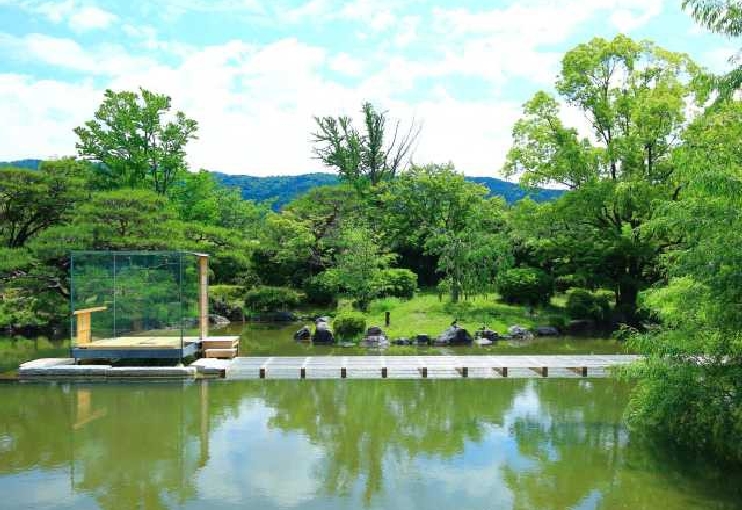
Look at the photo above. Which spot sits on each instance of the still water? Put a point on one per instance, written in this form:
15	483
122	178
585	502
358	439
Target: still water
464	444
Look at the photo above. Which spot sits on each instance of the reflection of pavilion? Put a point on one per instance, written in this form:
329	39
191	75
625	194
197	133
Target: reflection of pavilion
141	304
123	456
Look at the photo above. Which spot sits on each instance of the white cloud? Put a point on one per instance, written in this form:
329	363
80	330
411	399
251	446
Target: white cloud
106	59
406	31
345	64
78	16
90	18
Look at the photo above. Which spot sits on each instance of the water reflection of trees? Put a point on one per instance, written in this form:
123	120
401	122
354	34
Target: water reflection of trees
360	423
143	445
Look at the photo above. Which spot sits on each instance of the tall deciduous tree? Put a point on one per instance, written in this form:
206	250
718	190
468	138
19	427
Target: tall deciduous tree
690	387
374	154
137	139
634	96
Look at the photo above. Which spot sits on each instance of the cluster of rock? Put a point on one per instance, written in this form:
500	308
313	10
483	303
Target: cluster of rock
375	339
322	333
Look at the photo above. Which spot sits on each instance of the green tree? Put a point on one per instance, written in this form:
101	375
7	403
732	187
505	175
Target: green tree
34	200
376	154
137	139
722	17
690	387
434	207
358	261
635	96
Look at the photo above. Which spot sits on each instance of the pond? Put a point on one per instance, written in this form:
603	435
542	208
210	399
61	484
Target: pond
276	339
502	444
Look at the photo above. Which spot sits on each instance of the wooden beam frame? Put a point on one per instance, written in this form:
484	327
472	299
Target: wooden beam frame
203	296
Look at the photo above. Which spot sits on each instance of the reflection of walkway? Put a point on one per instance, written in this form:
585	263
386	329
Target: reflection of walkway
417	367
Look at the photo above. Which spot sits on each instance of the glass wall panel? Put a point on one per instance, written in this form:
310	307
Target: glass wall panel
134	299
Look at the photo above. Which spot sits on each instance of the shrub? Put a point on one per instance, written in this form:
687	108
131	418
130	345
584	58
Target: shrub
318	292
401	283
583	304
349	324
226	293
566	282
227	300
265	298
525	285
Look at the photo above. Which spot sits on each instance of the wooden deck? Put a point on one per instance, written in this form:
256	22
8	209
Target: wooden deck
138	342
422	367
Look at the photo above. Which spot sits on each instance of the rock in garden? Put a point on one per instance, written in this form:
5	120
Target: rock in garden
422	339
323	335
487	334
374	331
375	342
218	320
455	336
303	335
547	331
519	332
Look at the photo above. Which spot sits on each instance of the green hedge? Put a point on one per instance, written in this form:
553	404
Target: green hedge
265	298
349	325
583	304
401	283
525	285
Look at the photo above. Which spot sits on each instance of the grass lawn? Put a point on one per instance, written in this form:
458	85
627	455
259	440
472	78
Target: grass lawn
426	314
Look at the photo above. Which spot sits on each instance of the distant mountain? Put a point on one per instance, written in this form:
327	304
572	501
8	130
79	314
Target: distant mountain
282	189
31	164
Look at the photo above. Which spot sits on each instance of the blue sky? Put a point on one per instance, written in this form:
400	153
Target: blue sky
255	72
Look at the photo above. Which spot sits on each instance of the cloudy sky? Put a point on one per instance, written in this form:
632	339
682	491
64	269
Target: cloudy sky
255	72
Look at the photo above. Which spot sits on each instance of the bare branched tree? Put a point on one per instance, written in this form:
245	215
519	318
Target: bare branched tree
364	156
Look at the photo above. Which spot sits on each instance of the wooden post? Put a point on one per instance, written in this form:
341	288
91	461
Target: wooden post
303	373
84	330
343	373
424	372
387	319
262	372
542	371
384	372
581	371
464	371
203	296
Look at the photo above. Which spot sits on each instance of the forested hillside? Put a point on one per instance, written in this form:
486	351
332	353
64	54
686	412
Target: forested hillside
282	189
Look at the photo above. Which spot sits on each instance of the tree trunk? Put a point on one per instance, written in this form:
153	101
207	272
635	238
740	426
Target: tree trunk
628	292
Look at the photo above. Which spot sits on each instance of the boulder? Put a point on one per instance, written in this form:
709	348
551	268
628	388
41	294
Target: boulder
455	336
323	335
487	334
483	341
218	320
374	331
375	342
303	335
402	341
422	339
519	332
546	331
